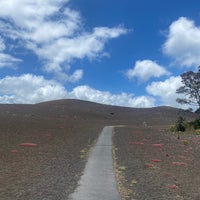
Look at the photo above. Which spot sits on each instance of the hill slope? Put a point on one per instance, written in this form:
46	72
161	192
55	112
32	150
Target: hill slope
84	110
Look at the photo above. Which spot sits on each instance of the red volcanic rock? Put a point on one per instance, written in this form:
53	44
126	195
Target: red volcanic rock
157	145
179	163
155	160
14	151
189	159
149	165
172	186
28	145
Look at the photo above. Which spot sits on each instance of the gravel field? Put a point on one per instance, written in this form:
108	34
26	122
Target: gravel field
44	148
153	164
50	170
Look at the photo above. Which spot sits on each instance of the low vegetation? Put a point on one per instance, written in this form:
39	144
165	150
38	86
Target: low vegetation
182	126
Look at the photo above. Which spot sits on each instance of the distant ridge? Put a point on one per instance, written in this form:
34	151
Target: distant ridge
86	102
78	102
70	101
86	110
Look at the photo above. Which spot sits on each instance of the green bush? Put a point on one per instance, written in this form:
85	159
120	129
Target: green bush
180	125
196	124
180	128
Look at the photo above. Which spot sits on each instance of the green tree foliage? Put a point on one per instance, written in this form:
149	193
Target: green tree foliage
190	88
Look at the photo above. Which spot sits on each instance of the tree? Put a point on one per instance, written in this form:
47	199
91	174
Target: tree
190	88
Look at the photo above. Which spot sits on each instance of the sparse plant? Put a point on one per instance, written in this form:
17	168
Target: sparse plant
122	168
172	129
185	142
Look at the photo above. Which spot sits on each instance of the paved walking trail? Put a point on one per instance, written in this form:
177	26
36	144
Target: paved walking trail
98	181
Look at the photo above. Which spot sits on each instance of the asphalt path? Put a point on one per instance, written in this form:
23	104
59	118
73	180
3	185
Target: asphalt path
98	180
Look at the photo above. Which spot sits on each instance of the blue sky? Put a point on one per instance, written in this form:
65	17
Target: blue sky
128	53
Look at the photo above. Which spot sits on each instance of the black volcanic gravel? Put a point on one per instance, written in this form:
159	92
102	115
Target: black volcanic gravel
50	170
64	131
154	164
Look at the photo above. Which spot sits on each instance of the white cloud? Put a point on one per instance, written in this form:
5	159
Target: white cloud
53	31
2	45
87	93
89	45
6	60
76	76
29	88
166	90
30	13
183	42
146	69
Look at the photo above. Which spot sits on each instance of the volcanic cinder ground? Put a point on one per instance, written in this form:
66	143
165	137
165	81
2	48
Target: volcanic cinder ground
44	149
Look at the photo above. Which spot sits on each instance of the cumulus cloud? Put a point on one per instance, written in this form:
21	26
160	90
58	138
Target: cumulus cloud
166	90
87	93
29	88
146	69
183	42
87	45
53	31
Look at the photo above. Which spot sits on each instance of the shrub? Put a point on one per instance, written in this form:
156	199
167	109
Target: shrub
180	125
185	142
196	124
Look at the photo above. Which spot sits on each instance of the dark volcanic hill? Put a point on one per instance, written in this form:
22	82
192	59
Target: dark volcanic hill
84	110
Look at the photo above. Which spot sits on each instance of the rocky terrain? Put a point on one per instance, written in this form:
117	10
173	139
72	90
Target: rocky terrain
44	148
